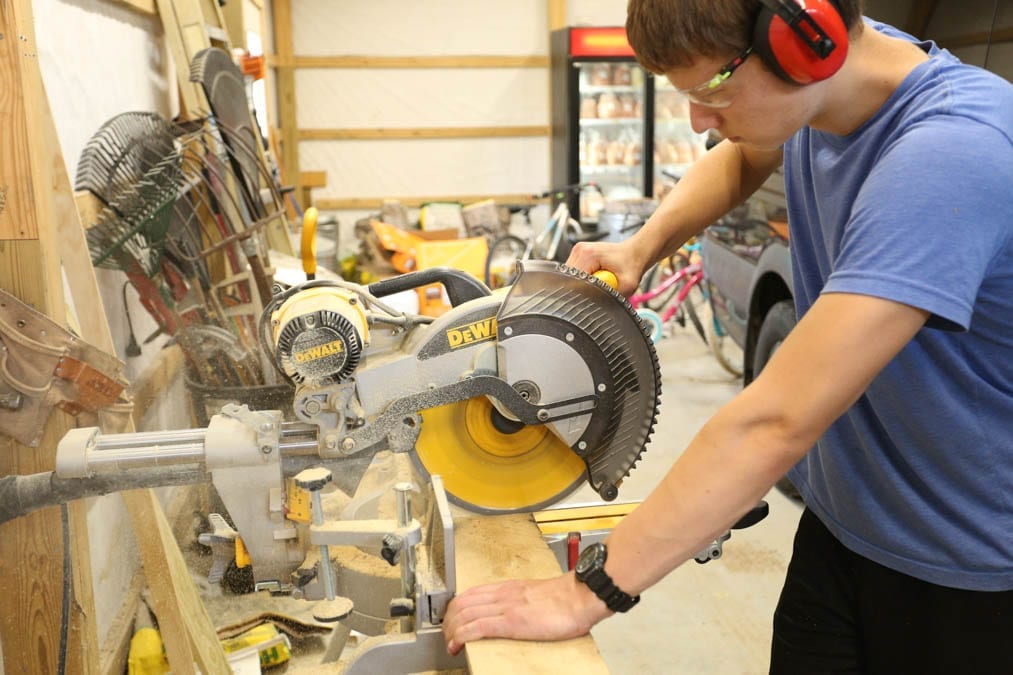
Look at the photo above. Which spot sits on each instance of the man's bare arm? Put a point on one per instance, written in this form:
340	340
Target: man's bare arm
716	183
818	372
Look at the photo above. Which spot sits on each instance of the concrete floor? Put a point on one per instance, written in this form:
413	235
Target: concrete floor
711	619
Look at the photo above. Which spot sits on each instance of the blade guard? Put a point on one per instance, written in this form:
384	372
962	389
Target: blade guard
601	325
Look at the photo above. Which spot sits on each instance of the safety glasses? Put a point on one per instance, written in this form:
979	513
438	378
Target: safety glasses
711	93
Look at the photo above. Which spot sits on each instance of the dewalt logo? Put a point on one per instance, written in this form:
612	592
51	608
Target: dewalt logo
471	333
319	351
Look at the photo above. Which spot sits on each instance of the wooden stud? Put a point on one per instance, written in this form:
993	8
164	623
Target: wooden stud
557	14
287	61
41	629
286	94
420	132
141	6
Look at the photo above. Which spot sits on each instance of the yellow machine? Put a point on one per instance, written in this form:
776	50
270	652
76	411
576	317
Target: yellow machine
506	403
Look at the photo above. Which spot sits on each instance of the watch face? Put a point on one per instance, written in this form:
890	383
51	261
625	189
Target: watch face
591	557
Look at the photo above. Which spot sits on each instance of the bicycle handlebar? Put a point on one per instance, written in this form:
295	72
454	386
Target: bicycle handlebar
561	192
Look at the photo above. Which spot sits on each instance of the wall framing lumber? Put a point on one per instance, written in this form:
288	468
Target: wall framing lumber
289	61
48	617
556	14
286	94
409	133
141	6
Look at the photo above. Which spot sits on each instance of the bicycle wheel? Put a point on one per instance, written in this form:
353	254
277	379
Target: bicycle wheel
657	275
727	353
694	305
501	263
652	321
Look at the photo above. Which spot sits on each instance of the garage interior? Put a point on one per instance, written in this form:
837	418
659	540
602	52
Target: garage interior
386	111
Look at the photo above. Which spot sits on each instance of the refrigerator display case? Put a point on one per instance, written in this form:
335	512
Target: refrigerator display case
613	123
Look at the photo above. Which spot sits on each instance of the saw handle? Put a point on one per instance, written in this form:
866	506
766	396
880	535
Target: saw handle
461	286
609	278
752	516
308	242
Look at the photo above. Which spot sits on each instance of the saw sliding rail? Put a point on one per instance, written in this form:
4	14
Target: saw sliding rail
90	463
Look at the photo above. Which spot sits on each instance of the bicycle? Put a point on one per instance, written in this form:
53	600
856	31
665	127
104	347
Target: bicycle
550	244
680	279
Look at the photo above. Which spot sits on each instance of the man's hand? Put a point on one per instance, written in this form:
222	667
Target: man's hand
546	609
619	259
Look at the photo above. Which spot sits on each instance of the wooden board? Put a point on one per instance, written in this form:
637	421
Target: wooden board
497	548
47	621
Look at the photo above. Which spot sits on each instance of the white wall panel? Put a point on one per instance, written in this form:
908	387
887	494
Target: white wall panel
353	98
99	59
596	12
419	27
122	67
428	167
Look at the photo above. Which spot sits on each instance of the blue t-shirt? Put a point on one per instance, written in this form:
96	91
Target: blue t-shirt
916	206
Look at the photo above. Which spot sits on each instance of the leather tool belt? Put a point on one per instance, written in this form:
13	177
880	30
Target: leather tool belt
42	365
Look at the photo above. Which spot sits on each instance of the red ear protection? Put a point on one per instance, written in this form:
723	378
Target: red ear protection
801	41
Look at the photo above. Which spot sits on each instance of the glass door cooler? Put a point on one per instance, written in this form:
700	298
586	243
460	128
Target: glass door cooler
613	123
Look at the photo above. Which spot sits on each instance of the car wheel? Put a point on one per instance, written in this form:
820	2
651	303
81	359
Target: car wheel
775	328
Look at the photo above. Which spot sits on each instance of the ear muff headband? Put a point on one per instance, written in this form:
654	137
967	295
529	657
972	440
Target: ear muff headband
801	41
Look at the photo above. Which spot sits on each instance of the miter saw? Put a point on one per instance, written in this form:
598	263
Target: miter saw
506	403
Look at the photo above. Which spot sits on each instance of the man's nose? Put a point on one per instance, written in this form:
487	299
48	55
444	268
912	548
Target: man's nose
703	118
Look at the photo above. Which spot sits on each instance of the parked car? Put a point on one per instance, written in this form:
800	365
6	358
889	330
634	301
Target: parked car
747	270
748	275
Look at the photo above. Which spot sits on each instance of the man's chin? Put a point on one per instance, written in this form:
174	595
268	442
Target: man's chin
755	144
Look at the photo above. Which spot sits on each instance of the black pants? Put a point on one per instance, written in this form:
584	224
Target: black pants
842	613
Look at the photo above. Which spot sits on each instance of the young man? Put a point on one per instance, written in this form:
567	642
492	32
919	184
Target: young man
893	396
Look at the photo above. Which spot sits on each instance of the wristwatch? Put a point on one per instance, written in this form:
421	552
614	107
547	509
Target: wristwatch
590	570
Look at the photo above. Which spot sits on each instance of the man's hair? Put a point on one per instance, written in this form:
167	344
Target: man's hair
668	34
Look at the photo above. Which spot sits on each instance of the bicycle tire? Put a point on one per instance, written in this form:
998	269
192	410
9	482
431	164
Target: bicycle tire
501	261
654	328
724	349
695	297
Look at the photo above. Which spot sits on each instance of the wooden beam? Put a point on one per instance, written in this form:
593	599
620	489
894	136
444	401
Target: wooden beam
498	548
368	203
283	61
313	179
557	14
420	132
286	95
45	554
185	35
140	6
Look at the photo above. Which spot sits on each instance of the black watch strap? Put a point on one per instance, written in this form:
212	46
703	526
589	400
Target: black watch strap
601	584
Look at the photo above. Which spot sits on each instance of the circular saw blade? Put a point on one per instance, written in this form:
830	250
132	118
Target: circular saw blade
550	299
495	469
